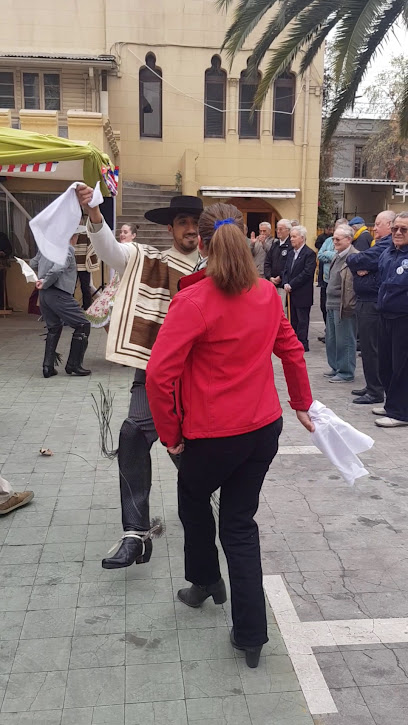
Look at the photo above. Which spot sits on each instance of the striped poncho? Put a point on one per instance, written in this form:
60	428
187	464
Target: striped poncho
142	301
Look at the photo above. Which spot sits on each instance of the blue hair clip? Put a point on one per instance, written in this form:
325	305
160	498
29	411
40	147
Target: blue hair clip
221	222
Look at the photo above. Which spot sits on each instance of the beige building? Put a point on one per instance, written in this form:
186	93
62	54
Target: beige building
146	82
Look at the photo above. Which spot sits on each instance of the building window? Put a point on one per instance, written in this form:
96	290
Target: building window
283	106
360	166
7	90
150	99
248	123
215	97
42	90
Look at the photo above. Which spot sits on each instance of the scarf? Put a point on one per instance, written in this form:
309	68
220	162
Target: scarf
142	301
358	232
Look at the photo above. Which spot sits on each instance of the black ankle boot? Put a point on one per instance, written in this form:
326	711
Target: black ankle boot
195	595
252	654
79	344
51	357
134	548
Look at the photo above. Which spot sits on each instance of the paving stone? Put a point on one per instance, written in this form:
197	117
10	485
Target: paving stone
150	616
231	710
154	683
97	650
42	655
95	686
151	647
99	620
156	713
39	691
53	622
7	652
212	678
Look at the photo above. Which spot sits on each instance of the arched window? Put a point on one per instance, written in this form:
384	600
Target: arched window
248	124
150	99
283	105
215	96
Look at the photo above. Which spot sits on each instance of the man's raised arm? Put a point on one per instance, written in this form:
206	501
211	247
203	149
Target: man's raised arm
101	236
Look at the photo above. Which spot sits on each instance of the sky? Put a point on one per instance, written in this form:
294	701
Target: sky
396	44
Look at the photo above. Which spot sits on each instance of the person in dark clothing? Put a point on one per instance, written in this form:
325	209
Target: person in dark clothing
393	337
5	253
362	238
57	304
364	267
297	279
276	257
320	240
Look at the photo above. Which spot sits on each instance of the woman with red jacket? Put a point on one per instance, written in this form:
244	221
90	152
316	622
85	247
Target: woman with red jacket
212	394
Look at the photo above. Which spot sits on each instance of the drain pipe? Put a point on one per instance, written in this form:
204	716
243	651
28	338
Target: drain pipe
305	145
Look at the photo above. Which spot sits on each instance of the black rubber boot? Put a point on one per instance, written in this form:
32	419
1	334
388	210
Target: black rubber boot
134	548
252	654
79	343
135	476
195	595
51	357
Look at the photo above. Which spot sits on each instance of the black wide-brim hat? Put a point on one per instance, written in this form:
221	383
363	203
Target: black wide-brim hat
190	205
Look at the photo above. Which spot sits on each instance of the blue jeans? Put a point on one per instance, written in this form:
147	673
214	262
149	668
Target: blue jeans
341	344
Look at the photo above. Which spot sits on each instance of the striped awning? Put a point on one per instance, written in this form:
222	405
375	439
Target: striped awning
28	168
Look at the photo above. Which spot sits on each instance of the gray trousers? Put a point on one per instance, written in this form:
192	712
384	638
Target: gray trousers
58	307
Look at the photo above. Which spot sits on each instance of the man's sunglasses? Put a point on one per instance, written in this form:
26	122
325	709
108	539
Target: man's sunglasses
403	230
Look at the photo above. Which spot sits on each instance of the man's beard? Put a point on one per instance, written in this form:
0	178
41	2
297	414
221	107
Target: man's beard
189	244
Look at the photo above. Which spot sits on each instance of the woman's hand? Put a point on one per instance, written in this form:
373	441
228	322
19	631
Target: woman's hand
304	418
175	450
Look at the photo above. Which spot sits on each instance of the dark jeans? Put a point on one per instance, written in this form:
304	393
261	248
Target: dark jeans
85	281
323	296
299	318
237	465
393	363
368	322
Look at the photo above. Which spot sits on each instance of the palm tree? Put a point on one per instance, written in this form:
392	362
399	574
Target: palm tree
300	27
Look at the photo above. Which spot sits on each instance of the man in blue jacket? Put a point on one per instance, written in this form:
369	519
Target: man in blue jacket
393	329
364	267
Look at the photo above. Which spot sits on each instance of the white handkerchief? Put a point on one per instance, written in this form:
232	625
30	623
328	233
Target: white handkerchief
28	273
339	442
54	226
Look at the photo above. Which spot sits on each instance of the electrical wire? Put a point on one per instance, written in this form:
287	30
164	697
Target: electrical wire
208	105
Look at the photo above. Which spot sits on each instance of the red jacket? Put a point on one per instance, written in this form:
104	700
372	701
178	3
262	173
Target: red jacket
210	373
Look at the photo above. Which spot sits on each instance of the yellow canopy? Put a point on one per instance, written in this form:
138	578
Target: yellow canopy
27	147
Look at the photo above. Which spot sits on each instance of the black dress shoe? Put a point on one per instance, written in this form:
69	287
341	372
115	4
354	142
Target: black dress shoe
252	654
367	400
359	392
132	549
195	595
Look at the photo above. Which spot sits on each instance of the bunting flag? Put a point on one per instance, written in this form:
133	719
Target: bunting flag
29	168
111	179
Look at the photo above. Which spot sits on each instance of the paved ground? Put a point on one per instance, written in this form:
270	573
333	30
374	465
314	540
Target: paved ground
81	646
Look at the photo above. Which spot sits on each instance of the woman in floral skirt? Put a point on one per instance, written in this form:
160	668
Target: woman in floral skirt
99	313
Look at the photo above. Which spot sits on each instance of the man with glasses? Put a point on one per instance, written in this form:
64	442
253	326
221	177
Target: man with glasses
276	257
393	327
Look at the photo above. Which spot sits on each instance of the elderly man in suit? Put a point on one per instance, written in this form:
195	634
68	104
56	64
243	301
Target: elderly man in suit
297	281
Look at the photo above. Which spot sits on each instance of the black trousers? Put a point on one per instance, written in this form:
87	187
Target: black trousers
237	465
57	307
85	282
299	318
323	296
368	323
393	363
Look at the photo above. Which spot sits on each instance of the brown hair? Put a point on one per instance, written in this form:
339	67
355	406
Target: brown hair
230	262
132	226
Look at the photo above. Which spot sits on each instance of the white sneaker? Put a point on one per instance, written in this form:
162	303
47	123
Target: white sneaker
390	423
379	411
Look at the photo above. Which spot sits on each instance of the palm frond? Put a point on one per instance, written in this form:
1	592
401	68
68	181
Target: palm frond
403	124
223	4
316	44
301	33
352	33
347	91
275	27
246	17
